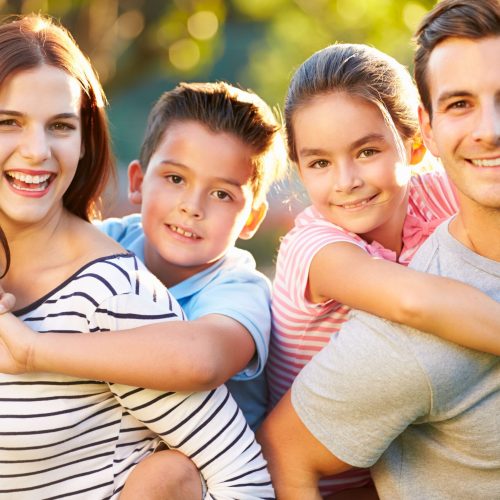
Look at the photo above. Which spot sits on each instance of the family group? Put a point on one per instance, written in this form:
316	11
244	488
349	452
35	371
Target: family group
145	357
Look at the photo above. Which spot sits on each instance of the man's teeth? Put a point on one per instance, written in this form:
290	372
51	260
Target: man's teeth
493	162
187	234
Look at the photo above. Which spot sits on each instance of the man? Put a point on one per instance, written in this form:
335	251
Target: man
423	413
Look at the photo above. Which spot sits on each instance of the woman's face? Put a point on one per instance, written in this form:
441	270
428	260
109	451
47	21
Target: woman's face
40	144
350	164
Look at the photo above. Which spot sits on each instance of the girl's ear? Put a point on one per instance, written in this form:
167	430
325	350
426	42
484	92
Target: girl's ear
418	150
135	178
254	221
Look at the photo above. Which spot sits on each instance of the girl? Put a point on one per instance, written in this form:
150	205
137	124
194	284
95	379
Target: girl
66	436
352	130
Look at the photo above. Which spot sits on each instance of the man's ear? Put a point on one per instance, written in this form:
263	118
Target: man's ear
418	150
254	221
426	130
135	178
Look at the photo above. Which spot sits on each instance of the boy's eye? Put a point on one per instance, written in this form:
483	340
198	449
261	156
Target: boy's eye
222	195
174	179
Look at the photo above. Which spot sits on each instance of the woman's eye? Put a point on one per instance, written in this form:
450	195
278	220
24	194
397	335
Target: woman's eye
62	127
8	122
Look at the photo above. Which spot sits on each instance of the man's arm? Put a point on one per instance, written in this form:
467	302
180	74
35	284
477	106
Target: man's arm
296	459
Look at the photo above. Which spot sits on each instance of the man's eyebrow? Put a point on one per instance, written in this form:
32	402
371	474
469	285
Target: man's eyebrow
445	96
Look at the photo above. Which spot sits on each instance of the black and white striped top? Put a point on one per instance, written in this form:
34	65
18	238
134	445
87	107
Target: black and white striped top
66	437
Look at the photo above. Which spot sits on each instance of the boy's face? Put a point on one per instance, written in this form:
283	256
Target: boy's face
464	83
197	199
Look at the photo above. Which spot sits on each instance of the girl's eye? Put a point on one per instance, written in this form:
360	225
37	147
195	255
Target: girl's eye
222	195
320	164
367	153
174	179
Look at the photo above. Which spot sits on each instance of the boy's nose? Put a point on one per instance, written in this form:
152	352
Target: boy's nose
192	208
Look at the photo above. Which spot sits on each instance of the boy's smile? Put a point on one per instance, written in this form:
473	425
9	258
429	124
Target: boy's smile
196	196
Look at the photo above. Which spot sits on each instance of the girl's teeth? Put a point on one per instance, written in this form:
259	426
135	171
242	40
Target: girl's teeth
27	182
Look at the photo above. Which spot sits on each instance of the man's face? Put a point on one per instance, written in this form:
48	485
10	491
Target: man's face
464	131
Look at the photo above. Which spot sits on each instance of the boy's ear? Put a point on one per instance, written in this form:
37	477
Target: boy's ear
135	178
418	150
254	221
426	130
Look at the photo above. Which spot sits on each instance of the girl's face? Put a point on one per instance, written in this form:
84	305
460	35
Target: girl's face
40	144
350	165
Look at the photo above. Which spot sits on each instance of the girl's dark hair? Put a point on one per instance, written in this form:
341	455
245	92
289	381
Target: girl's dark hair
32	41
361	71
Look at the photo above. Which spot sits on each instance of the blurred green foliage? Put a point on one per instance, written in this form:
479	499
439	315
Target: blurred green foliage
144	47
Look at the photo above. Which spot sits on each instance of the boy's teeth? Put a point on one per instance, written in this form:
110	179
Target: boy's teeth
493	162
187	234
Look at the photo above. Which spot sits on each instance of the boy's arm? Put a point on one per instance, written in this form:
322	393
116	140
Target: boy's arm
173	355
296	459
447	308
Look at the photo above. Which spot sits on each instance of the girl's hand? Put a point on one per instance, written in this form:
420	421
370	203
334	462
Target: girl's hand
16	344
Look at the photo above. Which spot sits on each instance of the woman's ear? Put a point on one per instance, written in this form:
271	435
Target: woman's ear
254	221
418	150
135	178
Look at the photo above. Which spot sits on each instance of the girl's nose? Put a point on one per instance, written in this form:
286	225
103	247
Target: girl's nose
346	177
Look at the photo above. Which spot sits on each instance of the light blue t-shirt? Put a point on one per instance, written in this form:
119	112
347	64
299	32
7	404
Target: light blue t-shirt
231	287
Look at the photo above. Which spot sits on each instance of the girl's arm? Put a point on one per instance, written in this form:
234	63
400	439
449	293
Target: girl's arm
176	355
444	307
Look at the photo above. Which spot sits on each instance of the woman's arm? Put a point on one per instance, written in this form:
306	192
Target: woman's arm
175	355
441	306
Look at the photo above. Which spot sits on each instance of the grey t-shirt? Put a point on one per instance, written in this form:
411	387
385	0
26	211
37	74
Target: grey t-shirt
423	412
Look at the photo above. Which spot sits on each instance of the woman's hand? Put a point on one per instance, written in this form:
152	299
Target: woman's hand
16	339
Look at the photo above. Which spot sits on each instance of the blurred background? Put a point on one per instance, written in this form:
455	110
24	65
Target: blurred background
142	48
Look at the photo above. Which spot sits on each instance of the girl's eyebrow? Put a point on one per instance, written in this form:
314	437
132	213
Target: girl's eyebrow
368	138
356	144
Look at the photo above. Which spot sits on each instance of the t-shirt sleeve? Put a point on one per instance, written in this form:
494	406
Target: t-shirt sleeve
244	296
294	261
362	390
208	427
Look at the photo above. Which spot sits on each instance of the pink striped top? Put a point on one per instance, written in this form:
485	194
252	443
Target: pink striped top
301	328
